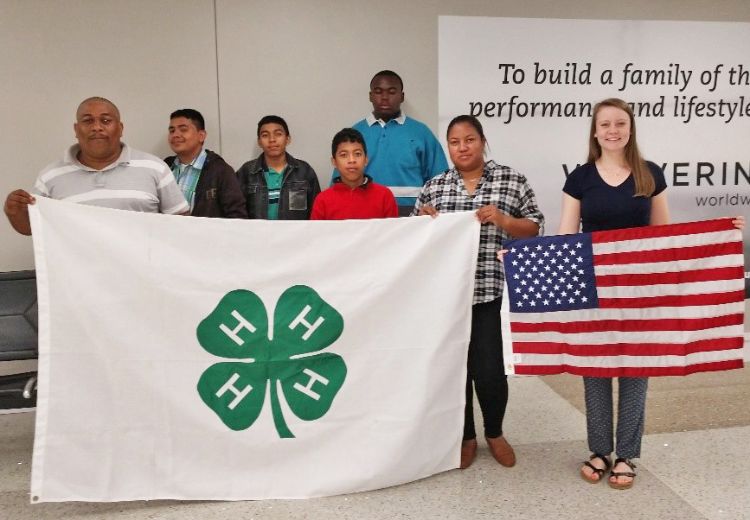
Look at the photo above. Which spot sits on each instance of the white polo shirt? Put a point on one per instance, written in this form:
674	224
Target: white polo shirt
136	181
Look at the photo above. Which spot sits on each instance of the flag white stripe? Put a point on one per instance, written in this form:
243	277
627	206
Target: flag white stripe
628	361
658	313
644	291
670	267
611	337
679	241
111	194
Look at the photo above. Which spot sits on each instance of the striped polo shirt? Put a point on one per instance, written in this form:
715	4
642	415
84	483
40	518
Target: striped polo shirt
136	181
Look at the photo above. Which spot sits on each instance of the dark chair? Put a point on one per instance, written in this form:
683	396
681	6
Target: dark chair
19	323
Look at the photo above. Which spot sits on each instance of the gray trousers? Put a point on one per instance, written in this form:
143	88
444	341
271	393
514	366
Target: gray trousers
631	412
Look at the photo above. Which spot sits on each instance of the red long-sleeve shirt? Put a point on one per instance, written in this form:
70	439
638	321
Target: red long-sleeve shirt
340	202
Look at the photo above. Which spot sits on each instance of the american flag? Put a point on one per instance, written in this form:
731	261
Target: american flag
651	301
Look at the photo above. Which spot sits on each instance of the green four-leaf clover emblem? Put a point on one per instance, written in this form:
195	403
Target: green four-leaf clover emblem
287	361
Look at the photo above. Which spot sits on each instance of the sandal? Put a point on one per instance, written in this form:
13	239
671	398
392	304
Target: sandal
596	471
615	474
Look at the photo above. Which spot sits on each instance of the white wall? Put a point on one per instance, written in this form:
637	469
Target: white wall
309	61
55	54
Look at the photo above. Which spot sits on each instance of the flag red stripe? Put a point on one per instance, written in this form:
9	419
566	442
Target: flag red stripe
544	370
576	327
697	275
672	300
628	349
690	228
669	254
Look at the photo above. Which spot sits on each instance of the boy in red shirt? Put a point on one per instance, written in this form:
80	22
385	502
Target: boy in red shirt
353	195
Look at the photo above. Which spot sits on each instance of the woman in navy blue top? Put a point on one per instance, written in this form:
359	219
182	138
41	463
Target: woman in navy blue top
615	189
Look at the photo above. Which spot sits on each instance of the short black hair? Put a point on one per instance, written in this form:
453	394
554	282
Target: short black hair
192	114
273	119
347	135
388	73
469	120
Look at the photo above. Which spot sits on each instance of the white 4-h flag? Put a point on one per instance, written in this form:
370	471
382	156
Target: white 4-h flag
192	358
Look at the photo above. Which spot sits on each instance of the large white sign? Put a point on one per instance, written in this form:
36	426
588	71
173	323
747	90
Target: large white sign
533	83
193	358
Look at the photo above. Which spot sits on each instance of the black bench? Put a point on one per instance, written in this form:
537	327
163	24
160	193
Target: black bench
18	336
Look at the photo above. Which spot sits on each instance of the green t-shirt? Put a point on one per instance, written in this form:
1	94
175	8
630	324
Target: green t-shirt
273	181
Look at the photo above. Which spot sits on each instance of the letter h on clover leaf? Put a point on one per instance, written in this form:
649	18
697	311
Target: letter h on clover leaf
290	363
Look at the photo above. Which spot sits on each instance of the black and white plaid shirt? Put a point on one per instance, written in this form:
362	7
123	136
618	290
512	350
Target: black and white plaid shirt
500	186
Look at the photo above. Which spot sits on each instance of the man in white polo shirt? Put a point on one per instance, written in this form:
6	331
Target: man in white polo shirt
101	171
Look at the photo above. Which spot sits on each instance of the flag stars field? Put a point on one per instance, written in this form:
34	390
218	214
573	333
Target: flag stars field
552	264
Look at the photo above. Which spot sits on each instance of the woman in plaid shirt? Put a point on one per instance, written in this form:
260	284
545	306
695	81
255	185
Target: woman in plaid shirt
506	207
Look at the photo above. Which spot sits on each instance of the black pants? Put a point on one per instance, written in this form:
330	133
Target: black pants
486	373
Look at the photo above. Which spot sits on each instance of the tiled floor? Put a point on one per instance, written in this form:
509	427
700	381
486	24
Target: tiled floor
694	466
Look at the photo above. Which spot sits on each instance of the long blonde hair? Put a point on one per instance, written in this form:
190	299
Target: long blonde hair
644	181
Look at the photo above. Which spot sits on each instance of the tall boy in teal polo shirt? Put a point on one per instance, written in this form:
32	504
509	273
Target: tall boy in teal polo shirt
403	153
